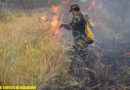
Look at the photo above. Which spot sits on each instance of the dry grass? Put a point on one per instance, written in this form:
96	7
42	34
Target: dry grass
29	55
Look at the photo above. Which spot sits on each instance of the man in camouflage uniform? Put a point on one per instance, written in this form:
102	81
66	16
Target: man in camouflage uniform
79	53
77	25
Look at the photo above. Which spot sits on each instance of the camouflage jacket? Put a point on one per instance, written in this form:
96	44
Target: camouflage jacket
77	25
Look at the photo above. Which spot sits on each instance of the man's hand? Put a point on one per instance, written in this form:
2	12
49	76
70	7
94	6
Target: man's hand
66	26
62	25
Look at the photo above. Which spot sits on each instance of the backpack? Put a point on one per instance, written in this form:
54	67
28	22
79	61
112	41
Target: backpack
89	28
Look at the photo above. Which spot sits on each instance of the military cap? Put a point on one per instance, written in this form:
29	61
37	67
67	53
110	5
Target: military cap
74	7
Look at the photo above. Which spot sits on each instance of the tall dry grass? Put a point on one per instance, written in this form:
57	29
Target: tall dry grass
29	54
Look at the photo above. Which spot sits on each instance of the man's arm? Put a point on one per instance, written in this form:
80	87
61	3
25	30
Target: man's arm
67	26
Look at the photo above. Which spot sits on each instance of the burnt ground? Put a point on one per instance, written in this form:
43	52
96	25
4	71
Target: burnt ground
106	68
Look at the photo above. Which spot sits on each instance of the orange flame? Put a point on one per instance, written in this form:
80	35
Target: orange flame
93	5
98	54
55	9
49	2
127	53
57	18
55	22
44	17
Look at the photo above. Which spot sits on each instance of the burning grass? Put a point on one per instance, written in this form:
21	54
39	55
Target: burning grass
29	54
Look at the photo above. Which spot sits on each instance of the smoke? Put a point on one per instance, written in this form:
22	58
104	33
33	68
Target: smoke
112	32
111	17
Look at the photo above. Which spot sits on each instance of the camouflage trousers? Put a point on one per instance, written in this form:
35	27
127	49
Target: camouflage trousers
78	56
80	46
